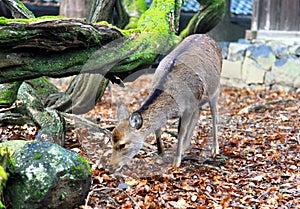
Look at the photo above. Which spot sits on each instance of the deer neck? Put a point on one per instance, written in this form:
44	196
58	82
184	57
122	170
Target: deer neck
158	108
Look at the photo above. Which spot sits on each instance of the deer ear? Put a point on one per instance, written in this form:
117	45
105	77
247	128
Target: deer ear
122	112
136	120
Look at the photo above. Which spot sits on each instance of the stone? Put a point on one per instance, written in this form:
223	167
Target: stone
232	82
286	71
279	87
243	41
264	56
296	83
236	51
232	69
280	51
46	175
295	50
224	46
252	72
269	79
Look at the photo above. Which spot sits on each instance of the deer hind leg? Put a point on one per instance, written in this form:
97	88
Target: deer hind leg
214	113
159	143
183	131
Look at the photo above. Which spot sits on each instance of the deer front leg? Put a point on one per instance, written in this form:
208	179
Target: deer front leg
184	128
214	113
192	124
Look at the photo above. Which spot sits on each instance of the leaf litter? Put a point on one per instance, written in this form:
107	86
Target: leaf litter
258	165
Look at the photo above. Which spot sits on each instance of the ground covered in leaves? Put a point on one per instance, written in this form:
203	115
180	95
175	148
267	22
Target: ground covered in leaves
258	165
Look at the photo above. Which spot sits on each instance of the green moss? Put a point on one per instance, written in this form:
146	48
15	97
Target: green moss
85	162
38	156
134	9
81	168
130	32
63	195
6	163
5	21
43	87
156	19
8	93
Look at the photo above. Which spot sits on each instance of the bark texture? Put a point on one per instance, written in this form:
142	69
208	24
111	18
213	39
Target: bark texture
96	53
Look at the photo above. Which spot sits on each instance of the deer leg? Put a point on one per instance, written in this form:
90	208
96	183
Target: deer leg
214	113
159	143
192	124
184	127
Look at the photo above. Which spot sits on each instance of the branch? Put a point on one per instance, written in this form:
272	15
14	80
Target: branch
256	107
18	9
26	46
210	14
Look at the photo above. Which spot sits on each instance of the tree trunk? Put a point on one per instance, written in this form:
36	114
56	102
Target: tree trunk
75	8
59	47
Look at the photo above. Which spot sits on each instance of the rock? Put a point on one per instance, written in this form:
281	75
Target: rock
232	69
224	46
262	63
296	84
233	82
295	50
285	71
236	51
264	56
280	51
252	72
269	79
46	175
244	41
278	87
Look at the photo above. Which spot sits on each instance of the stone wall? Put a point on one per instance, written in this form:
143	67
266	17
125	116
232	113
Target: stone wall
261	63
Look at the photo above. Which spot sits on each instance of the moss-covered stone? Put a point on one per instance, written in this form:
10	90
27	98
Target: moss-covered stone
46	176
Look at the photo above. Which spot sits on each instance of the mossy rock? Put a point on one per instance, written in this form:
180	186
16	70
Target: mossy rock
46	175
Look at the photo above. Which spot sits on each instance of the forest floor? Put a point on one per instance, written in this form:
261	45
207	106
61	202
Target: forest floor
258	165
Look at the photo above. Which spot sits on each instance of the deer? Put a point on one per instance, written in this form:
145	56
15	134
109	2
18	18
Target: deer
186	79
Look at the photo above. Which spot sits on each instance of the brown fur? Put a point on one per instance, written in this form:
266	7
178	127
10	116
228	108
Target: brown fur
185	80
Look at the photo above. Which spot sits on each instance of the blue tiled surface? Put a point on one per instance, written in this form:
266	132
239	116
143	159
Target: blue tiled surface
241	7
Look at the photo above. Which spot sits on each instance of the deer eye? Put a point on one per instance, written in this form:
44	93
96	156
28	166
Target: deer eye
122	146
136	120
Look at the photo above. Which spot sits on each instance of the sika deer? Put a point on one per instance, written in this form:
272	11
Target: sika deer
185	80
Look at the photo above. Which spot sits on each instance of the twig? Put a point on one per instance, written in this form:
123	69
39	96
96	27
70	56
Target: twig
109	189
13	106
83	122
256	107
96	190
132	200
